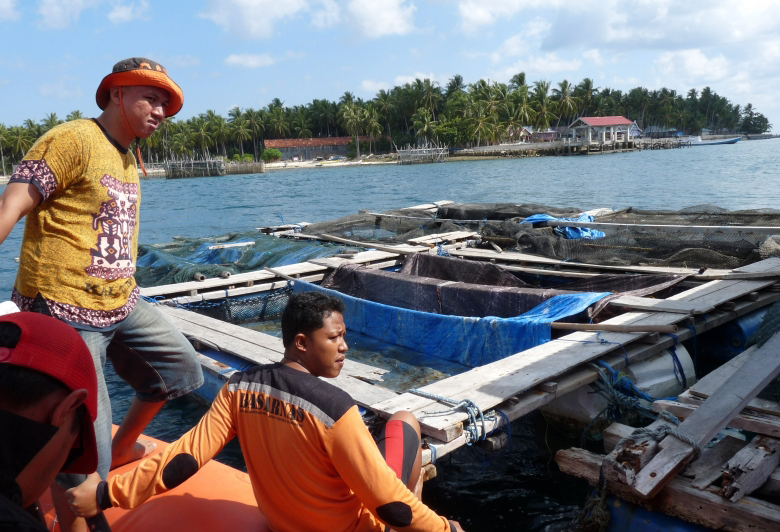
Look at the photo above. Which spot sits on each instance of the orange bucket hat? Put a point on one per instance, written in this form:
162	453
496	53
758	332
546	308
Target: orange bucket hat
140	71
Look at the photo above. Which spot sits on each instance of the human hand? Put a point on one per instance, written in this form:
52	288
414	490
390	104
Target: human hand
83	498
456	526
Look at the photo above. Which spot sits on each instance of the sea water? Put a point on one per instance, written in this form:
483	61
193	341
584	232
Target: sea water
520	488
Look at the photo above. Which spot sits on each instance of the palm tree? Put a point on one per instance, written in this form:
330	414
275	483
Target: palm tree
385	106
301	124
373	126
241	132
430	95
277	122
567	103
424	125
234	113
455	84
255	119
351	117
481	121
220	131
19	141
3	141
202	135
33	128
74	115
585	92
517	82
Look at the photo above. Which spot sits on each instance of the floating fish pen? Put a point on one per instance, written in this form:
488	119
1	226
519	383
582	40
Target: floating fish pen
429	153
192	168
500	310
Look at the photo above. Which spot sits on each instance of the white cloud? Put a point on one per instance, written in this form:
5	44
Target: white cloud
249	60
328	14
593	56
403	80
690	67
475	14
536	66
375	18
60	91
57	14
8	10
128	12
373	86
251	18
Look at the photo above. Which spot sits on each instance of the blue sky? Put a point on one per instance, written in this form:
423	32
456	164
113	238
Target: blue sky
225	53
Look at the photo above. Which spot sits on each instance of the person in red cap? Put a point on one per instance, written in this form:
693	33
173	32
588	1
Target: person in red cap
79	188
48	403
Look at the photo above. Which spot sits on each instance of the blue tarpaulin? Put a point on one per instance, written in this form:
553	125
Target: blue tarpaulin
568	232
465	340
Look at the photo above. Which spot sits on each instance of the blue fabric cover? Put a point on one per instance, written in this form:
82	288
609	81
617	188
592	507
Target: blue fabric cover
569	232
465	340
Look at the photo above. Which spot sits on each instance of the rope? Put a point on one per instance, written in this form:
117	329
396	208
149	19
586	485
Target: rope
679	372
621	394
473	412
595	514
441	251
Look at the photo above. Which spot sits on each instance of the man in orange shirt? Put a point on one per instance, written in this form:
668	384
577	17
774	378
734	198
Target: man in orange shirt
312	462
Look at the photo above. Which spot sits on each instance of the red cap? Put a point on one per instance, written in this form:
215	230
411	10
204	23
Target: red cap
54	348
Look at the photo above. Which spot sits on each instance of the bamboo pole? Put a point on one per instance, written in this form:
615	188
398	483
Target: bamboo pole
613	328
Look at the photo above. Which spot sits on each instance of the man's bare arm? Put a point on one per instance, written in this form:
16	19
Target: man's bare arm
17	201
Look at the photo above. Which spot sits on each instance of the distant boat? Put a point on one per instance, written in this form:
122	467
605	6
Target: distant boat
696	141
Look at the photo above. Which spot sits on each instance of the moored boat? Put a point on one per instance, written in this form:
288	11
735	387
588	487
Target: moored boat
697	141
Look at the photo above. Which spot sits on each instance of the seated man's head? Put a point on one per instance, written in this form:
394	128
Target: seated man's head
139	95
313	333
48	402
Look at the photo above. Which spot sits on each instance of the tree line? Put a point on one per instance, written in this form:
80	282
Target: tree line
457	115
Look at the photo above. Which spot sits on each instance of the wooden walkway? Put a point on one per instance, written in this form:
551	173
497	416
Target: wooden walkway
517	384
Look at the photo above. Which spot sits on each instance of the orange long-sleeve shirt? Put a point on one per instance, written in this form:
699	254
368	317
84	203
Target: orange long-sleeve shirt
311	460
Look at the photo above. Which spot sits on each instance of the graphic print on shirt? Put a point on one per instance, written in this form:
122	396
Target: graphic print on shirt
112	258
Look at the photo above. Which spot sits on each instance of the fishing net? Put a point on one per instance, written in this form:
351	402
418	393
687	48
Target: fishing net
188	259
501	224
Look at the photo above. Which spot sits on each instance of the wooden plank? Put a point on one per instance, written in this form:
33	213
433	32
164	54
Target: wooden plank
708	275
654	305
440	237
750	467
233	245
655	228
301	268
520	405
403	249
715	379
494	383
714	414
680	499
709	466
240	340
757	422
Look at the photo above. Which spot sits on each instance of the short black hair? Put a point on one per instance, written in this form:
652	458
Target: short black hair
305	312
22	387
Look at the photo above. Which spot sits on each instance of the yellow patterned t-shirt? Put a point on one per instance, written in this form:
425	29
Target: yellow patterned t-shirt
80	243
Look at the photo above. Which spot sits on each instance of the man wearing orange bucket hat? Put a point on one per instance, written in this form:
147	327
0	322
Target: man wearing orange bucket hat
79	188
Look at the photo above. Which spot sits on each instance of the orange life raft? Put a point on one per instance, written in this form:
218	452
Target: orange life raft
218	497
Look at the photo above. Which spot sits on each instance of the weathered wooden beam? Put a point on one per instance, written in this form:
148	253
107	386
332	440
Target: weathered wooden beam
712	416
678	498
758	422
749	469
669	329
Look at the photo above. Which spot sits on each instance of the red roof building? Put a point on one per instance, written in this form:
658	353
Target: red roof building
603	126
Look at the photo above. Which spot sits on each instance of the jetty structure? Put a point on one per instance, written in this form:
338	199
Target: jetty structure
427	153
654	290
